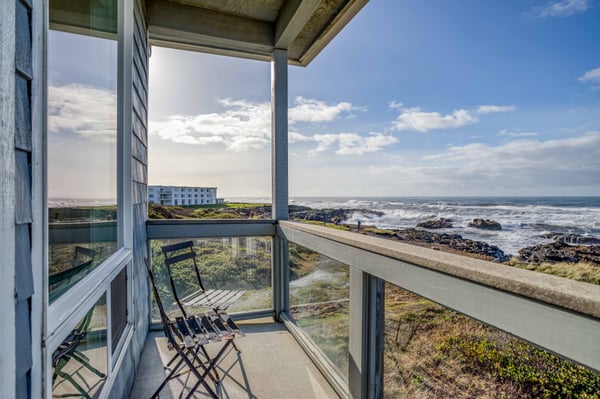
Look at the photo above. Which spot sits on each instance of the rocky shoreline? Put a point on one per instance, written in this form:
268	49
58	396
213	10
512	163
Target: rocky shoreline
565	248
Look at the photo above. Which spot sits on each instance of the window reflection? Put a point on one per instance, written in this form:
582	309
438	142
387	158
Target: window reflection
79	364
319	302
82	132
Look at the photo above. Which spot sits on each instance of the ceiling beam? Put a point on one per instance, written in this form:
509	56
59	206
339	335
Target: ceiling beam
187	25
343	17
292	18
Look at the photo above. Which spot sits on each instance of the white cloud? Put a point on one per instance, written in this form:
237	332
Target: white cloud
415	119
516	133
310	110
519	167
244	125
592	77
351	143
88	111
487	109
295	137
562	8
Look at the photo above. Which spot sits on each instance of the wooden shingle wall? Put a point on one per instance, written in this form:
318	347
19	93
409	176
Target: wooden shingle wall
23	193
139	161
140	168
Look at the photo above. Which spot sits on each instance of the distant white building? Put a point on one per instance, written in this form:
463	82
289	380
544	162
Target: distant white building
174	195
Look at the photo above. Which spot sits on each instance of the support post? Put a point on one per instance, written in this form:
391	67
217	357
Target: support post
279	176
280	281
367	334
124	128
279	134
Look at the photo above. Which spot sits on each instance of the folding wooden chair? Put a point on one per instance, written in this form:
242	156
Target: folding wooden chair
183	255
187	336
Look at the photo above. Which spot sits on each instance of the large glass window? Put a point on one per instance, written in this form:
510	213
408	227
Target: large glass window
82	137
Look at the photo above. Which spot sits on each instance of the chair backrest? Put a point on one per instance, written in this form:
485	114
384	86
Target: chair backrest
84	252
181	254
69	344
166	322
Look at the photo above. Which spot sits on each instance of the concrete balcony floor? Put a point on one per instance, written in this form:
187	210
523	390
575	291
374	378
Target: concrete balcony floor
271	365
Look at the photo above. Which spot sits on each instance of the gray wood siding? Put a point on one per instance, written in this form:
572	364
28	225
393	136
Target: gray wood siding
139	172
23	217
7	199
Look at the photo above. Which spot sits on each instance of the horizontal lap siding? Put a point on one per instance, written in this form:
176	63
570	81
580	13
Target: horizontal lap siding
139	195
23	217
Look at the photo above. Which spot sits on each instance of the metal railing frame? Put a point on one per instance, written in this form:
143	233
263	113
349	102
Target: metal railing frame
554	319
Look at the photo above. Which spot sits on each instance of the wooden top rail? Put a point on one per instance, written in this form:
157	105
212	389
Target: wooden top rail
568	294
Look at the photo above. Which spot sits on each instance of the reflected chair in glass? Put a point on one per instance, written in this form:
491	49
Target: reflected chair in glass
183	257
67	352
81	264
188	336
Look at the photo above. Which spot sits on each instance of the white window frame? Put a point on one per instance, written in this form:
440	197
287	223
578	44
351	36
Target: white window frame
60	317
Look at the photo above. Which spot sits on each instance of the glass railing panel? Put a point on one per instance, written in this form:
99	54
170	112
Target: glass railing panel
232	263
80	363
434	352
319	302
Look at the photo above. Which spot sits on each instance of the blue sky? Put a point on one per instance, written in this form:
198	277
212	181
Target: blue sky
411	98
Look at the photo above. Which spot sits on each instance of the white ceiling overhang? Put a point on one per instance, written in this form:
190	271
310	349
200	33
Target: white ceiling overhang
249	28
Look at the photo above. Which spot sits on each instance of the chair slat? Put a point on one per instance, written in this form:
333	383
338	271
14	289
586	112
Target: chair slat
177	247
179	258
218	299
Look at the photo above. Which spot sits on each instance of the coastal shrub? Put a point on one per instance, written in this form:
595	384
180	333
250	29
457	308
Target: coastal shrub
330	225
582	271
538	374
380	232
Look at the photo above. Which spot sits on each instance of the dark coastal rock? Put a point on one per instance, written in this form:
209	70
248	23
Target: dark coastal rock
485	224
440	223
560	252
454	241
572	239
328	215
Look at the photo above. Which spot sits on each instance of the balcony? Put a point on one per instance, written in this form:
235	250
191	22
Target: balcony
256	372
359	316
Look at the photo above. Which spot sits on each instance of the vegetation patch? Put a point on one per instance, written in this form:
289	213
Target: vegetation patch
582	271
379	232
537	373
330	225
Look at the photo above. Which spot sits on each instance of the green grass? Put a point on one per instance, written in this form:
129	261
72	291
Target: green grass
225	205
537	373
586	272
330	225
380	232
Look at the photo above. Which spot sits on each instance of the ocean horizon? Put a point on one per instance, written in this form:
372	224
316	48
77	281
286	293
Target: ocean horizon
525	220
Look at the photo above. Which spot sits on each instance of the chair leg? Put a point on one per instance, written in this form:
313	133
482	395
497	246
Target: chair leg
235	346
216	376
213	364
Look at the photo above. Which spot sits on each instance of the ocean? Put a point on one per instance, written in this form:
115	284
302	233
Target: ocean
524	219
